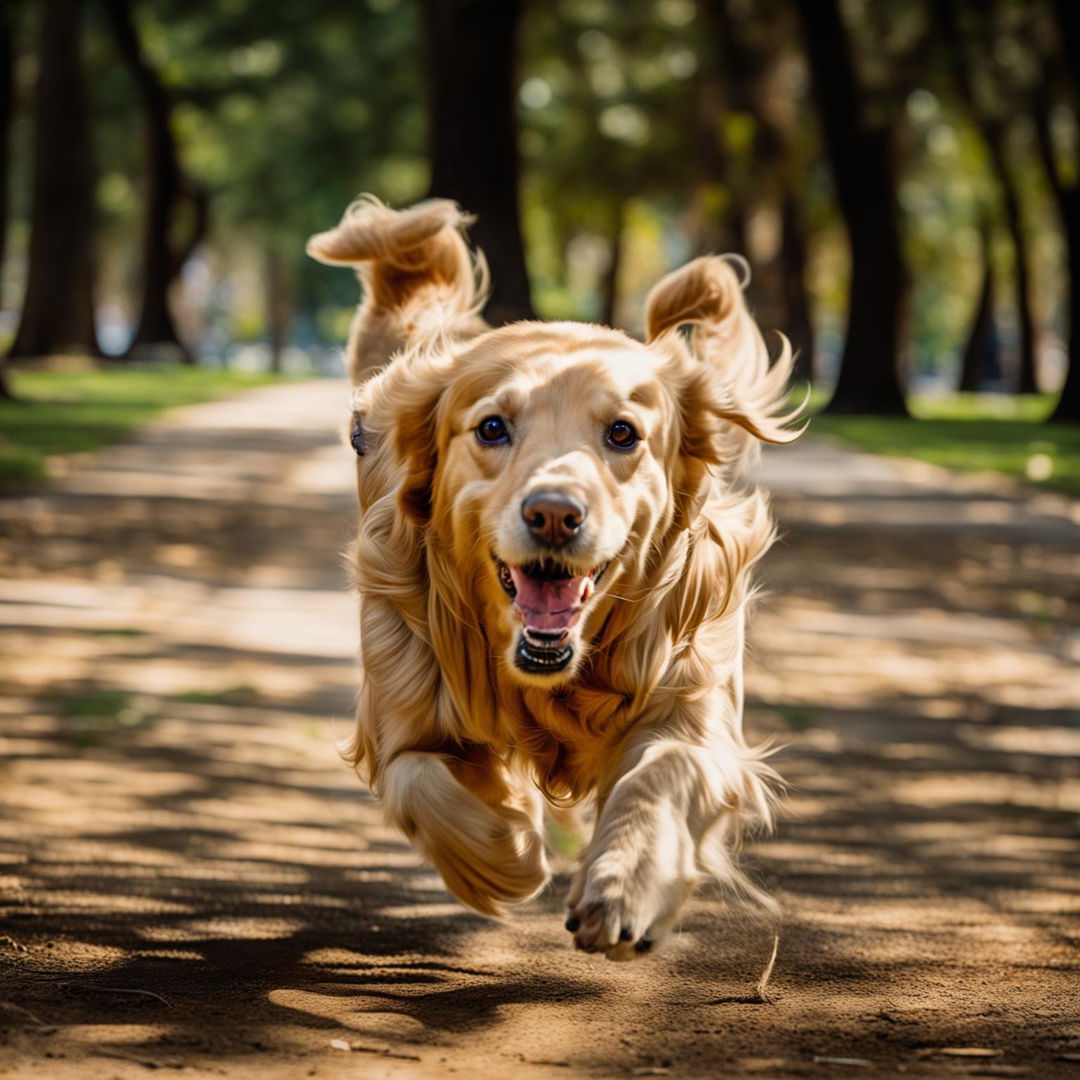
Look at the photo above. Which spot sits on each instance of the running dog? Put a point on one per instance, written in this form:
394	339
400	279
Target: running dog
553	564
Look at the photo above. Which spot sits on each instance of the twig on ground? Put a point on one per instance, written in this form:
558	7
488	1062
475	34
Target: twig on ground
118	990
763	982
12	1007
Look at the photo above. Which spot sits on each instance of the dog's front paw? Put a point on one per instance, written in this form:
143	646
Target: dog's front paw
622	907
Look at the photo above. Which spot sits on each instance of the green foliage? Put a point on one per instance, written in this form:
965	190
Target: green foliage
285	111
607	107
972	433
64	412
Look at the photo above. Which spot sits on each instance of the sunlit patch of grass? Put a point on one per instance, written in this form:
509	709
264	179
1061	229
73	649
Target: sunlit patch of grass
563	839
65	412
972	433
1042	612
91	717
230	695
20	466
798	717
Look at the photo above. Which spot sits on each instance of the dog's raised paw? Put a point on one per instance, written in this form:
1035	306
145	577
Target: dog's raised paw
604	927
622	902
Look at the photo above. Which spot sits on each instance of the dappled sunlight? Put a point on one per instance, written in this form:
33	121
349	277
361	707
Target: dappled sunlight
182	839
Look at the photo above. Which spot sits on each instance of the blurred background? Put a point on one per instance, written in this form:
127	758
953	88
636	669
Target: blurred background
901	176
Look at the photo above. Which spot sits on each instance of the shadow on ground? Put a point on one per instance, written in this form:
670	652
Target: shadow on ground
191	879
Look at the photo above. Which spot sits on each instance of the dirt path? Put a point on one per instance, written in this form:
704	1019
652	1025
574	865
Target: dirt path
190	880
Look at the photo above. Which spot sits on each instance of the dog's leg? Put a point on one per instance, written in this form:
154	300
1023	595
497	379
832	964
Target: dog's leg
484	836
661	828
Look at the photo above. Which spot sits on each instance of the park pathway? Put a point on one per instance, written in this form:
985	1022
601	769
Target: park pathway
190	880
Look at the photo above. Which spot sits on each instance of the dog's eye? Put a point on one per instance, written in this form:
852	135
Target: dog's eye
622	436
492	430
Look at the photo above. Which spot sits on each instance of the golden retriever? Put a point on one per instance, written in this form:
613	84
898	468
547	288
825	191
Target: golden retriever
553	564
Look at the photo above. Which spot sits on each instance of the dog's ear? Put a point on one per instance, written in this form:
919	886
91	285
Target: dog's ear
417	445
398	415
705	290
734	381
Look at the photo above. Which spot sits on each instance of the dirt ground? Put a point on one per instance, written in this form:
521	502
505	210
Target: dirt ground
191	881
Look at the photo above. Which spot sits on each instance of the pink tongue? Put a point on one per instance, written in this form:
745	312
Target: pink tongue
549	605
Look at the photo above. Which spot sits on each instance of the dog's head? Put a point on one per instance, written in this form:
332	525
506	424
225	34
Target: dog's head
547	466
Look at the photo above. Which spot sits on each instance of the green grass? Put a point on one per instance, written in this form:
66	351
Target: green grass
94	716
230	695
972	433
798	717
66	412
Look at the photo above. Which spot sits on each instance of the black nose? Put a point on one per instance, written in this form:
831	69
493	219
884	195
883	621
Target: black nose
552	516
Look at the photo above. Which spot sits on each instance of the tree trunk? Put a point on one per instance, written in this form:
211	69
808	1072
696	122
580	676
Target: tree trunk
277	309
798	325
980	353
1026	379
993	133
609	285
58	308
1068	406
741	50
1068	201
724	88
866	192
7	99
470	54
198	197
155	330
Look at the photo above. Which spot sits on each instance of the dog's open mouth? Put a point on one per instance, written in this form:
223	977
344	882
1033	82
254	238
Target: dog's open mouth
550	598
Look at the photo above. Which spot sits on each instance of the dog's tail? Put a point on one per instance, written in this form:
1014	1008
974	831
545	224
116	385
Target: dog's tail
417	272
487	855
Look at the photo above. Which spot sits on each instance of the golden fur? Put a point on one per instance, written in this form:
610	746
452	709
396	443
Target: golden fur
461	745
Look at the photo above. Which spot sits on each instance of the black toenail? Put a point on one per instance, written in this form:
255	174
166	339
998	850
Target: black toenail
644	945
572	923
625	934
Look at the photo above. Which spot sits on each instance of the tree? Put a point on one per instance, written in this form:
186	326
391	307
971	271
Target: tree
58	309
606	144
994	128
163	185
7	97
746	152
862	167
1065	185
981	351
470	53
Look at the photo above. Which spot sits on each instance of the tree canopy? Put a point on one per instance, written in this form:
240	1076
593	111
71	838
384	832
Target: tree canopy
901	177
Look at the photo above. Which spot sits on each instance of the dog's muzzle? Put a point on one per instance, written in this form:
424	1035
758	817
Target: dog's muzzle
549	597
